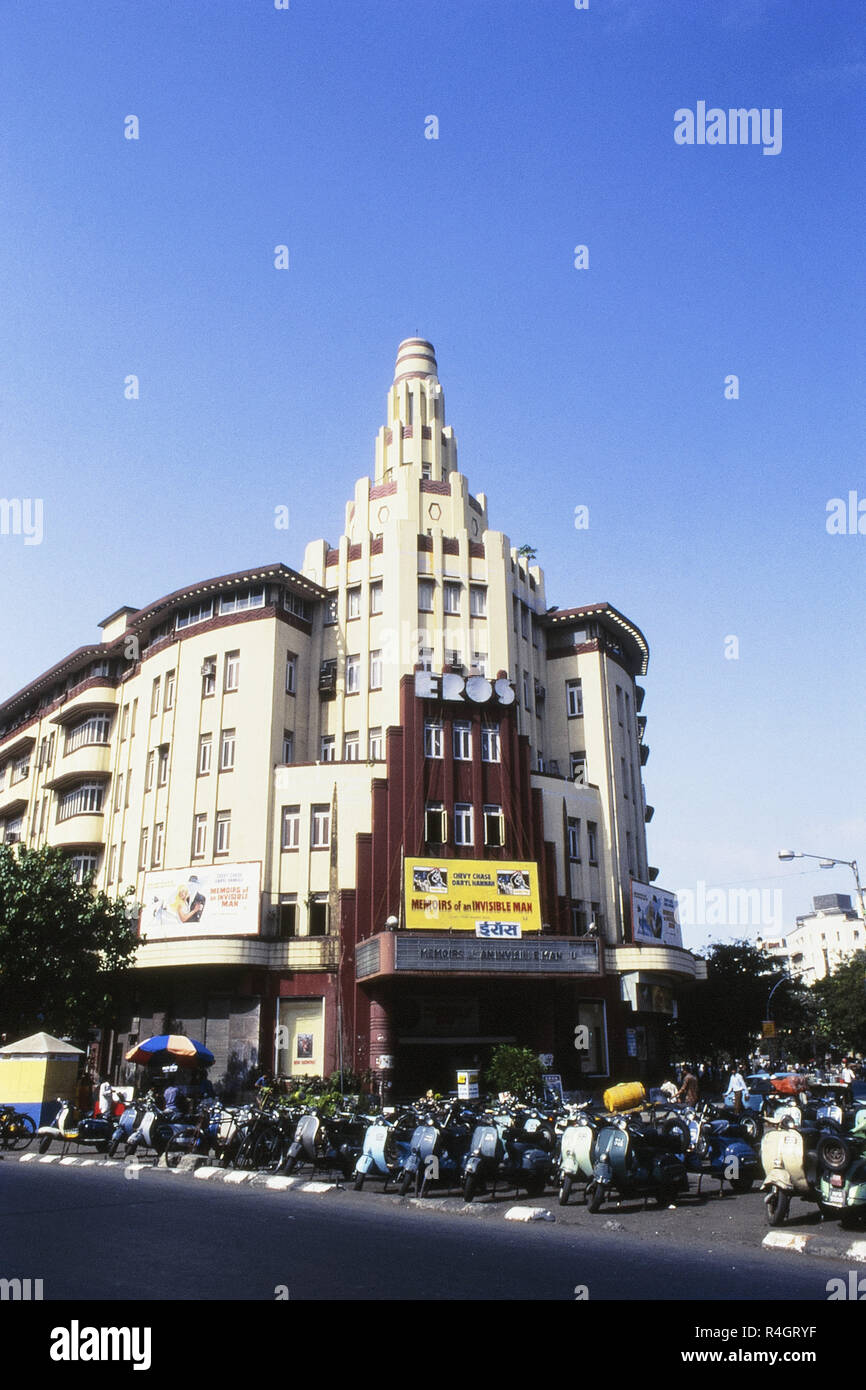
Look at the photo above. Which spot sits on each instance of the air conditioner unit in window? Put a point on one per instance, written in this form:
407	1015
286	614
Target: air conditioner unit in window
208	668
12	838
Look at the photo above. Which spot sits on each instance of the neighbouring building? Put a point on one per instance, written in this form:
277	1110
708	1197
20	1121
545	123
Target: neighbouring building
382	813
821	940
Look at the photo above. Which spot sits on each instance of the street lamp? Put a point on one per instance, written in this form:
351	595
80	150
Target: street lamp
825	862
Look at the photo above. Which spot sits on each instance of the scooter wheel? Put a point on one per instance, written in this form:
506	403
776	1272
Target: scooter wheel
114	1143
778	1205
470	1186
405	1183
45	1143
359	1182
565	1189
290	1164
751	1127
594	1197
172	1156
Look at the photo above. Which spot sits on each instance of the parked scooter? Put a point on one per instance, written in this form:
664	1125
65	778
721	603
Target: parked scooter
842	1164
718	1149
514	1146
153	1131
437	1149
326	1142
638	1161
790	1162
71	1127
577	1141
385	1150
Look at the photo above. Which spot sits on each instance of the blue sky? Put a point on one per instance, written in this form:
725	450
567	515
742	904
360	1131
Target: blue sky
602	387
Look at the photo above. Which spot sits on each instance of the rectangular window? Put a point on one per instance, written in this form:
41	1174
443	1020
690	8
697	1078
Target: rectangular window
624	781
490	743
93	730
524	620
205	754
208	677
353	603
592	837
578	768
351	747
453	657
162	772
574	839
243	599
288	916
434	823
118	791
462	735
578	919
83	800
158	834
629	852
374	746
288	746
199	836
527	689
432	739
154	699
319	914
451	597
84	866
232	671
463	829
376	670
574	699
197	613
328	748
376	597
515	609
331	605
291	673
124	724
227	750
320	827
291	827
425	658
425	595
494	827
479	663
151	764
477	601
169	690
112	863
620	709
353	675
597	918
222	840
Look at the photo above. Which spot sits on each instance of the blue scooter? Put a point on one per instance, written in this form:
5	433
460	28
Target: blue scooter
638	1161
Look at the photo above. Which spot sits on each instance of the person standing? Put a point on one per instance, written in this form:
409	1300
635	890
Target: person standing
737	1091
106	1099
688	1092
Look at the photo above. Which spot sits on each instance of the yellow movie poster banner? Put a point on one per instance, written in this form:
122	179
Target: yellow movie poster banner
489	898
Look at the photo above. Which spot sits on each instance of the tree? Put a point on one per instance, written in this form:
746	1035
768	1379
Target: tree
839	1003
63	947
514	1069
723	1015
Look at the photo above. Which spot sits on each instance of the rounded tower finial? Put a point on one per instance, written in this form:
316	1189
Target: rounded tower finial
415	357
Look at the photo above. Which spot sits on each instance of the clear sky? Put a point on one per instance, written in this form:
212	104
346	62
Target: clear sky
602	386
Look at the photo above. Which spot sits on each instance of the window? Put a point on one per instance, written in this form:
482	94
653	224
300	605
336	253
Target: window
578	768
524	620
291	827
574	699
227	750
320	827
578	920
327	748
154	699
432	739
434	823
620	710
319	914
425	595
494	826
624	780
162	773
208	677
301	607
288	915
14	830
158	836
353	603
118	790
374	745
453	657
515	609
592	836
124	724
490	743
535	626
168	703
479	663
142	848
376	597
83	800
463	831
232	671
574	839
331	610
597	918
199	836
629	852
196	613
351	747
462	737
205	753
477	601
223	837
353	675
451	597
291	673
376	670
83	865
243	599
527	697
92	730
425	658
288	746
112	863
3	775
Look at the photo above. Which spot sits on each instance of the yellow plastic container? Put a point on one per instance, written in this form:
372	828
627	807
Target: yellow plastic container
624	1096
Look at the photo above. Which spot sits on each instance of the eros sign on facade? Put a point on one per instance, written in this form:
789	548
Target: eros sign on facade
476	689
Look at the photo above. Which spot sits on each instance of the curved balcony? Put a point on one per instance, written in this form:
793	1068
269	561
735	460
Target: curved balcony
90	760
84	829
93	696
12	803
673	961
17	747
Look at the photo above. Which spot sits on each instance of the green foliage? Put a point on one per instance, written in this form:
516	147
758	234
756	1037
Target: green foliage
514	1069
63	948
839	1007
722	1016
528	552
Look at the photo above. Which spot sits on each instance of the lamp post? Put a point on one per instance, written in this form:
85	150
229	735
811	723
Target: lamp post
826	862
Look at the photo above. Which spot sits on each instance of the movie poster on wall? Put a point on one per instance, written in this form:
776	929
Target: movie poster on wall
654	916
207	900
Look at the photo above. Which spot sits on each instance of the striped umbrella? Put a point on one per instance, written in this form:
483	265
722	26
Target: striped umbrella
187	1052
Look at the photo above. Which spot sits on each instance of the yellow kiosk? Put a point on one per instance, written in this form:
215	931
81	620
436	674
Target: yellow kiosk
35	1072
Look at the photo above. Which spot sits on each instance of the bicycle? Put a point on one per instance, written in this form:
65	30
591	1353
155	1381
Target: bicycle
17	1131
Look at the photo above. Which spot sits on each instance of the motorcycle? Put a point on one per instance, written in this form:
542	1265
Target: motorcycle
70	1127
512	1145
577	1140
790	1162
384	1152
153	1131
639	1161
436	1151
326	1142
718	1149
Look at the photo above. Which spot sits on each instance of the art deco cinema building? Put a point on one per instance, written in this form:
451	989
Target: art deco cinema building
382	813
